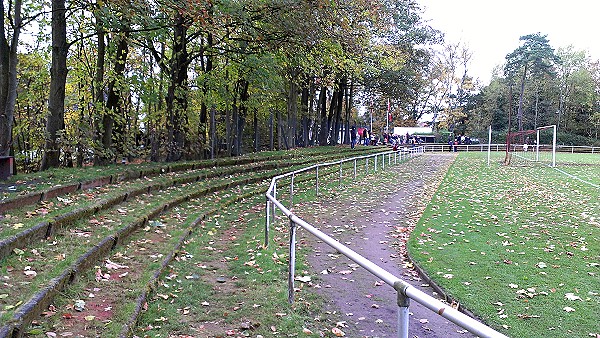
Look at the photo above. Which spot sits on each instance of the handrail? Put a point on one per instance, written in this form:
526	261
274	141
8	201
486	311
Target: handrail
404	290
444	147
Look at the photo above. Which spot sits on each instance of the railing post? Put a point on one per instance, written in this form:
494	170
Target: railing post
292	263
403	314
274	197
267	223
367	167
355	169
375	167
317	182
382	161
341	163
292	192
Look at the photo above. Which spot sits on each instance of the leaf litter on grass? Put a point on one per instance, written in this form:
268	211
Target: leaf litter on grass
513	220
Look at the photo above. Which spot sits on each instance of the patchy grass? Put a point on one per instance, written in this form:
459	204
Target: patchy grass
225	283
65	246
30	182
519	246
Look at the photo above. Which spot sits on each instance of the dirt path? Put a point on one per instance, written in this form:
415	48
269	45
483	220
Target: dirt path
378	228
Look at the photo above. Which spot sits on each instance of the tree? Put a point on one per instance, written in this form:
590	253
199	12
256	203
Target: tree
8	72
533	58
55	123
394	68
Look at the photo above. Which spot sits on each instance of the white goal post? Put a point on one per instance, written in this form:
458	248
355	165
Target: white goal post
520	146
537	150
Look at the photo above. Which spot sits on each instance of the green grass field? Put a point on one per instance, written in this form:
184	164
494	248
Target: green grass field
519	246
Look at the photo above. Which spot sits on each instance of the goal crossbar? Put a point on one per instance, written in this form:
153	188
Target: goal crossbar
510	137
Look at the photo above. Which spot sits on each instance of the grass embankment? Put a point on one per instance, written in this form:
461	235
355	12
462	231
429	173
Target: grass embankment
519	246
21	184
227	284
79	235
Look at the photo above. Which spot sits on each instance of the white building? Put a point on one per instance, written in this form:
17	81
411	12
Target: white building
412	130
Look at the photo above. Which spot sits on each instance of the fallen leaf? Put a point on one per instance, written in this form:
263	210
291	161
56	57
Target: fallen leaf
337	332
303	279
114	266
571	296
64	200
30	273
79	305
568	309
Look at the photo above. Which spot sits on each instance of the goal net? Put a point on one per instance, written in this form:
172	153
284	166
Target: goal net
527	147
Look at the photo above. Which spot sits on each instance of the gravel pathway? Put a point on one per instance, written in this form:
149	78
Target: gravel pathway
377	228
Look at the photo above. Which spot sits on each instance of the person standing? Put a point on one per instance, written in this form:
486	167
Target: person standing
352	137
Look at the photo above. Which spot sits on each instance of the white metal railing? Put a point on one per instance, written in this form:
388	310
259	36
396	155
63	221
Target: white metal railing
443	147
405	292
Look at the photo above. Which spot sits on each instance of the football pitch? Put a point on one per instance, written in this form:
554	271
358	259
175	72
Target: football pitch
520	245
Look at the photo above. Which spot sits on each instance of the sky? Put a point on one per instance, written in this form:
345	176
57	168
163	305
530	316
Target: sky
491	28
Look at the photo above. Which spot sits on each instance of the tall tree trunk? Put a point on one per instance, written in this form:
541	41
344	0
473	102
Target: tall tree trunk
99	87
213	132
304	114
256	133
177	92
55	123
338	109
521	94
311	123
114	116
235	116
271	131
292	108
323	129
207	62
332	118
242	114
8	78
228	138
348	105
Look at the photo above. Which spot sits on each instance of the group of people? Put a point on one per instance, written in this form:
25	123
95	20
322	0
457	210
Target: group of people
365	137
460	139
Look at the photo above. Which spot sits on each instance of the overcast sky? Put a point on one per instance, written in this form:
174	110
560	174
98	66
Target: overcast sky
491	28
